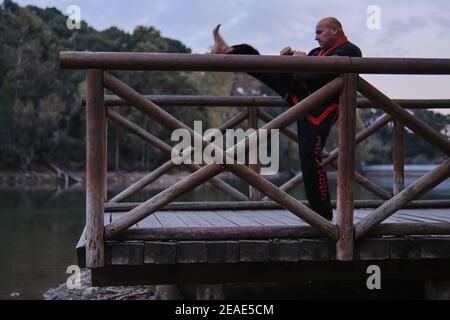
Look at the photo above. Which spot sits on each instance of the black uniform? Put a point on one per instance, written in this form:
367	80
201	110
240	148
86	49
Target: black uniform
313	129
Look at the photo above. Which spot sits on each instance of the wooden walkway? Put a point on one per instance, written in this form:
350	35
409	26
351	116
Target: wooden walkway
252	218
169	256
163	241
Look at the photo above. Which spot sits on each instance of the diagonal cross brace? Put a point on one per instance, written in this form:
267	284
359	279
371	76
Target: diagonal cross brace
164	147
204	174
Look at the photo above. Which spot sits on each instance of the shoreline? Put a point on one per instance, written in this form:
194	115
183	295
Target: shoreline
50	180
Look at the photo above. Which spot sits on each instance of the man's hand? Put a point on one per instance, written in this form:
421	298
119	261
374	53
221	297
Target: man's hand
287	52
299	53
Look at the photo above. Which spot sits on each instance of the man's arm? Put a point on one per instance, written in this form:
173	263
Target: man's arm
345	51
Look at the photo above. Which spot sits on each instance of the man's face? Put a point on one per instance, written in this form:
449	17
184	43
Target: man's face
325	35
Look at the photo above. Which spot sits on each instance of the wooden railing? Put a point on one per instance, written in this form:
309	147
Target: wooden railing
344	232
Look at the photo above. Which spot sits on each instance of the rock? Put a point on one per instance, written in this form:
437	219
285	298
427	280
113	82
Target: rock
87	292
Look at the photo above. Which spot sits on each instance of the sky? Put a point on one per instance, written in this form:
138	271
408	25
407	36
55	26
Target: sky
381	28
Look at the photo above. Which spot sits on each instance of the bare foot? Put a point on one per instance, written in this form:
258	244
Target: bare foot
220	46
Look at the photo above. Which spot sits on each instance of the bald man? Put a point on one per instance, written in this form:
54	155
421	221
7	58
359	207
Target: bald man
313	129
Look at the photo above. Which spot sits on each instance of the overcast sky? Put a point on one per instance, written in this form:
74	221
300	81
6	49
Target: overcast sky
408	28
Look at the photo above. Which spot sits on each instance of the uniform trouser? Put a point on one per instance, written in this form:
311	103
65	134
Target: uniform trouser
312	140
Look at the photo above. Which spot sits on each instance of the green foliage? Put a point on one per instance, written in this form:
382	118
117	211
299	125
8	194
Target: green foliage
40	104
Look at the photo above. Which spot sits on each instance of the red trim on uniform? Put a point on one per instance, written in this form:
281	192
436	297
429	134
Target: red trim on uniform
337	44
316	121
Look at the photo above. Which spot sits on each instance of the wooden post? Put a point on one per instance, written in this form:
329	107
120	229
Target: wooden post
95	168
254	194
398	158
346	165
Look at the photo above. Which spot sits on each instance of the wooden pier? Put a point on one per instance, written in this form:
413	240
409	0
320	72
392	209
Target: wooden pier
265	234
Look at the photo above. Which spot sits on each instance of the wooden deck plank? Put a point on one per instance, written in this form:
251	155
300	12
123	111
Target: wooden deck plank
258	217
362	213
426	218
237	218
201	219
169	219
276	217
409	217
112	217
284	216
191	219
216	220
440	212
150	222
437	213
438	217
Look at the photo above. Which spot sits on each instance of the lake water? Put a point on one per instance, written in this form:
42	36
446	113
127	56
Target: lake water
40	228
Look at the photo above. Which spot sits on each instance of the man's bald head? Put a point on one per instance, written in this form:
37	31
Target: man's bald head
331	22
328	32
